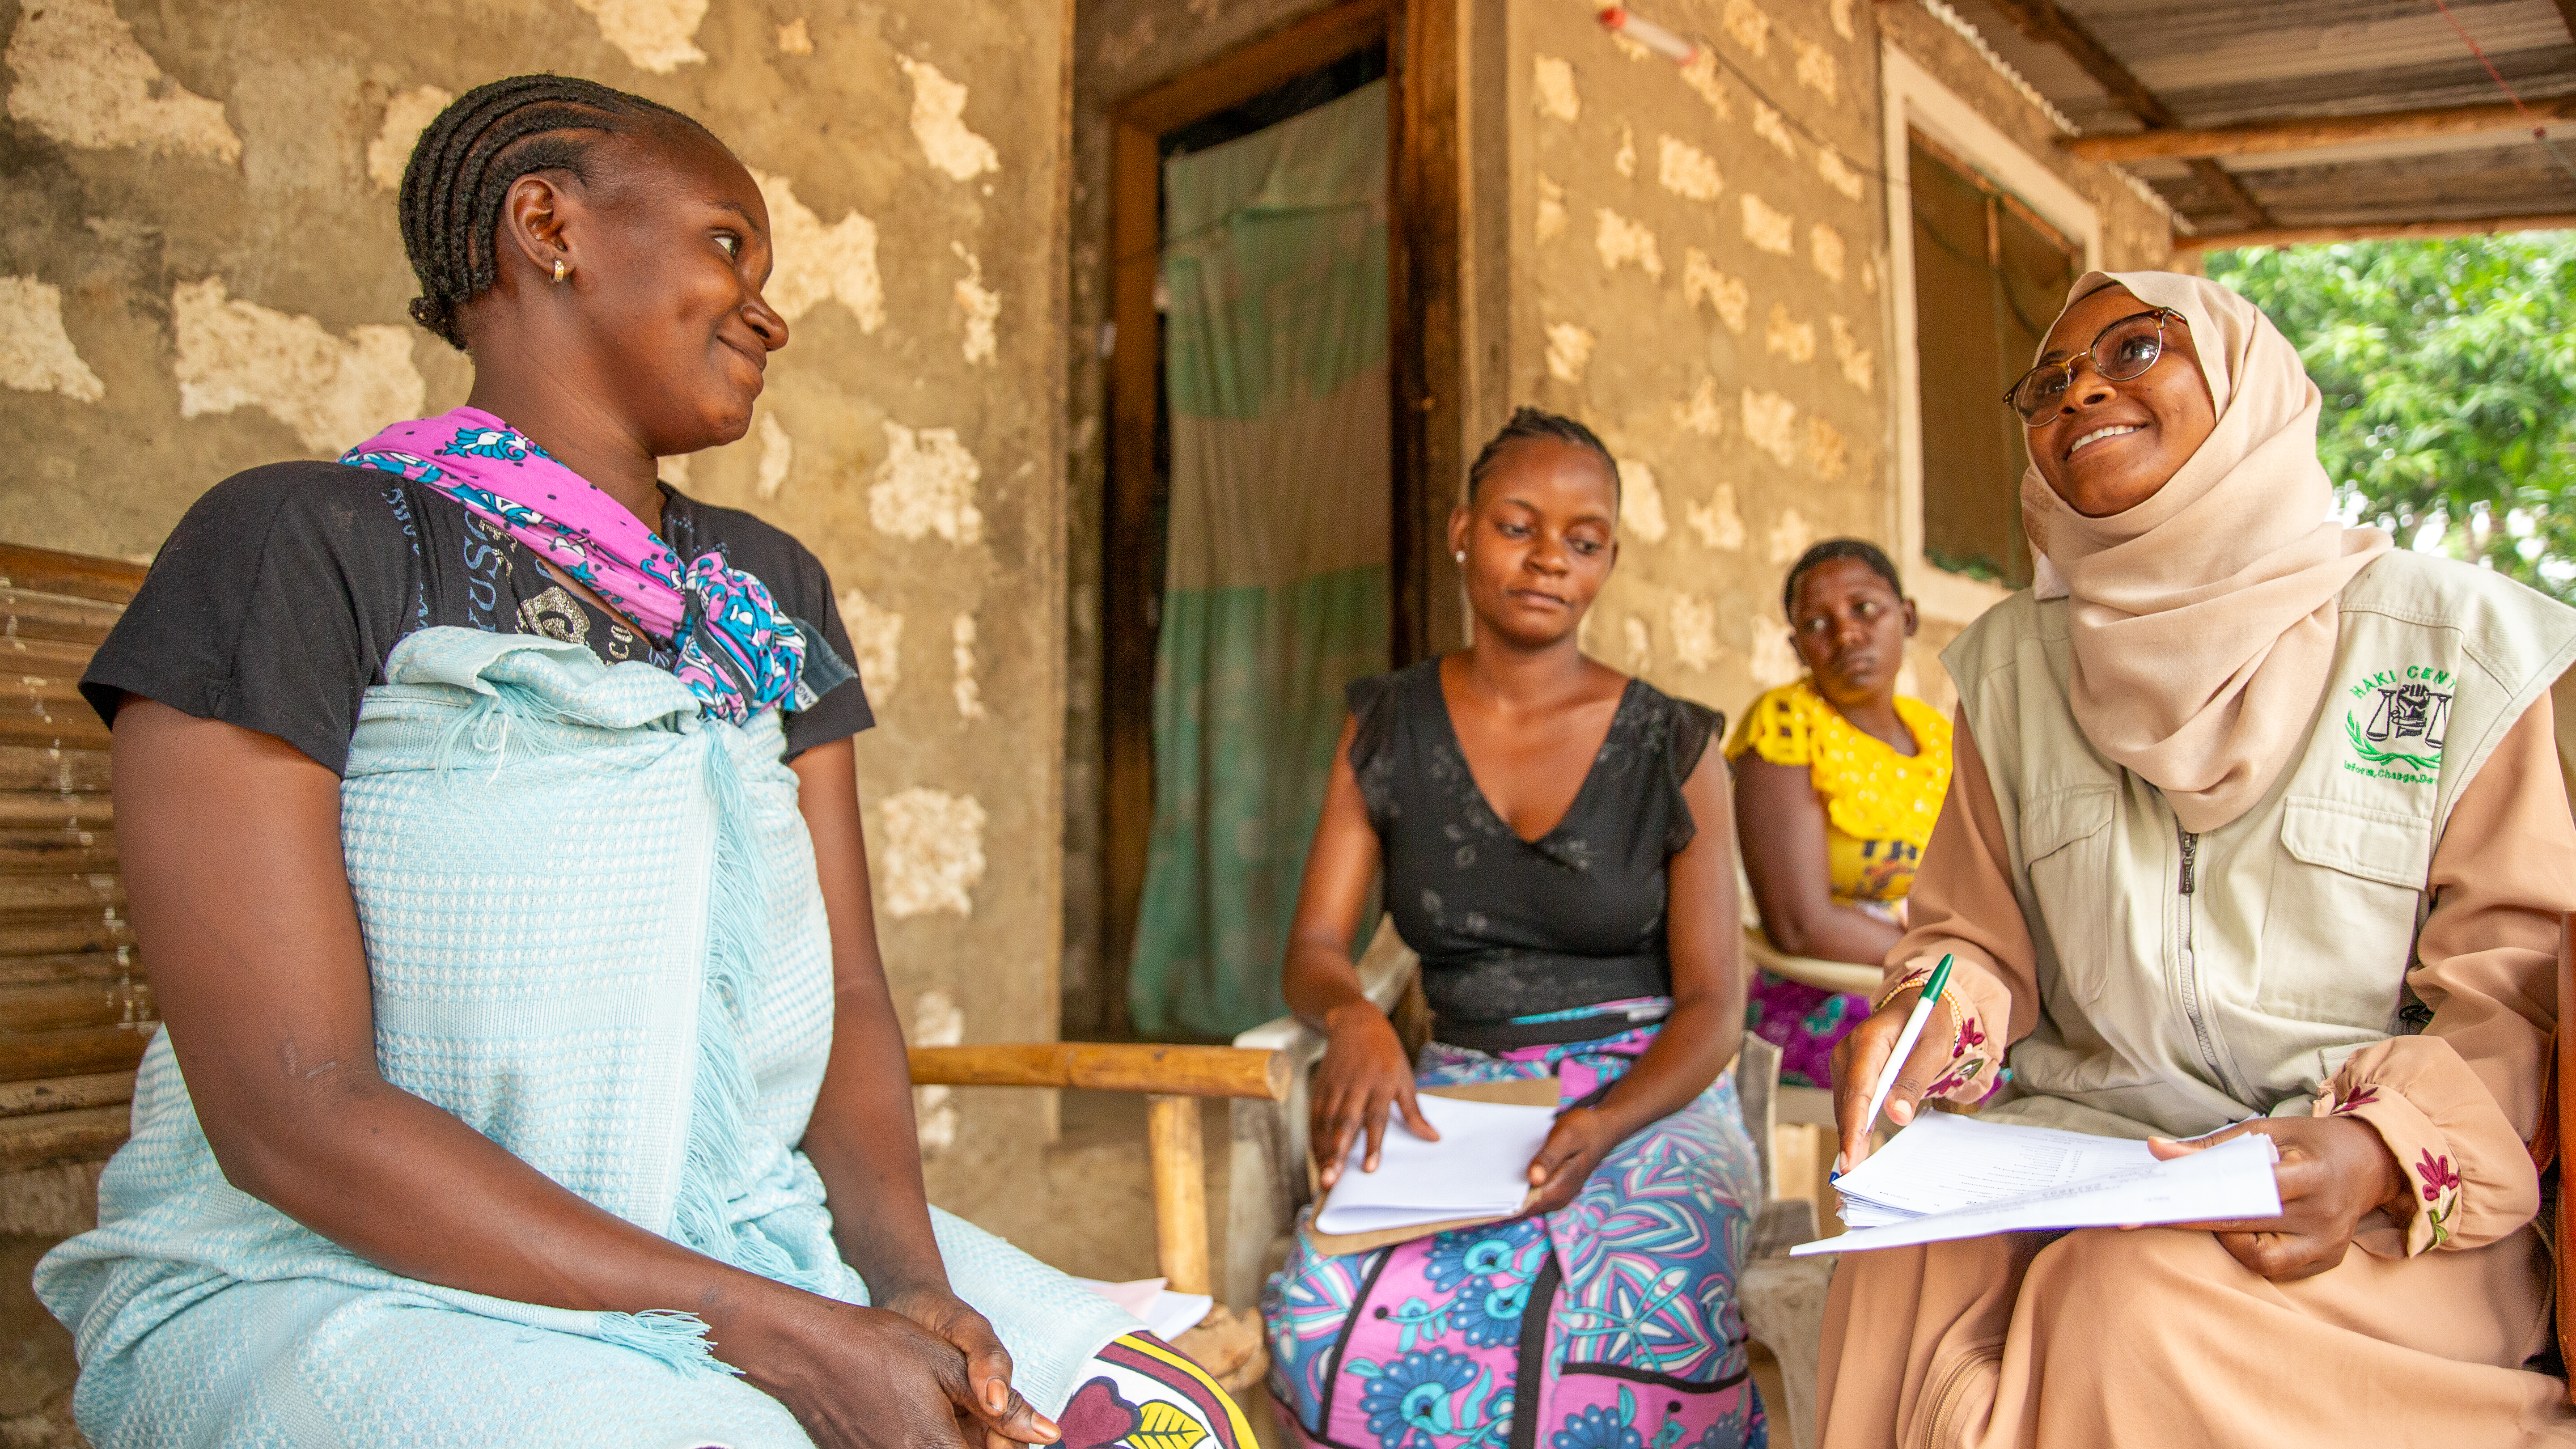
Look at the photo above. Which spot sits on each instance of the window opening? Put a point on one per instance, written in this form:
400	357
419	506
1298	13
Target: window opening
1989	276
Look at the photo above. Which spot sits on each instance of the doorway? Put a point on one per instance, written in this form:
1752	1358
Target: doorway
1264	524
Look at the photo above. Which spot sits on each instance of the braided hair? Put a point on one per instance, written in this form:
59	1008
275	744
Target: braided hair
1826	552
1536	424
466	160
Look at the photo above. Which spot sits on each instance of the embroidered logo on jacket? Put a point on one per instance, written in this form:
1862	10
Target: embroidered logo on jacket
2397	720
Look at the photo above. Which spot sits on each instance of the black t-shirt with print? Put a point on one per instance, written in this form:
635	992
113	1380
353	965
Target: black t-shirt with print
277	600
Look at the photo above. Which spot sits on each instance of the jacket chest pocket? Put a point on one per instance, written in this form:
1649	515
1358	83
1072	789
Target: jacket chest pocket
2066	849
2340	919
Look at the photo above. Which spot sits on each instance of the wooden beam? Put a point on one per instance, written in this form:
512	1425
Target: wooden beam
2294	236
64	1094
46	571
1174	1153
2262	137
2042	21
91	1134
1239	75
1189	1071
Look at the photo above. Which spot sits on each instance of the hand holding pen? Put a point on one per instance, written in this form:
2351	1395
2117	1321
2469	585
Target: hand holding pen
1886	1063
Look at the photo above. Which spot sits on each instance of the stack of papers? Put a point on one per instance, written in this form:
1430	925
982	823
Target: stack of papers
1166	1314
1478	1169
1949	1176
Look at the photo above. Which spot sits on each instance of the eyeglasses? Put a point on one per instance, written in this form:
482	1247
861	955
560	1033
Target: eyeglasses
2123	350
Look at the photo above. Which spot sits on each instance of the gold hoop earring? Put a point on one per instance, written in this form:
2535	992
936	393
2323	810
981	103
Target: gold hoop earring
563	269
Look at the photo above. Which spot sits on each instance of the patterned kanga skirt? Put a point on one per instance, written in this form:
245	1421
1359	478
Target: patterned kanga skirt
1613	1321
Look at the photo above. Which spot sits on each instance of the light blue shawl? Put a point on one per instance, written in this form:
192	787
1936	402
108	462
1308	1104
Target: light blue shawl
594	934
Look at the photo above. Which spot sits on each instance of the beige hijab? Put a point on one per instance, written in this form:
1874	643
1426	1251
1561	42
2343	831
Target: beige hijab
2204	618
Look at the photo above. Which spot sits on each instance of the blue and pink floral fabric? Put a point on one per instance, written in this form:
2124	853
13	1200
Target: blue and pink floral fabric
1613	1320
737	653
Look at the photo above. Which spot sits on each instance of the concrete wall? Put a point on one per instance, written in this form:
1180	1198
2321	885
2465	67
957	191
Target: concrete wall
1699	268
1689	282
200	271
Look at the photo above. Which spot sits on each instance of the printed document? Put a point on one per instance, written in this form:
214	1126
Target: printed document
1478	1169
1951	1176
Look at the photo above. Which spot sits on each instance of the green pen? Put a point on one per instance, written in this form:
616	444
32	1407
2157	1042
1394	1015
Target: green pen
1913	1033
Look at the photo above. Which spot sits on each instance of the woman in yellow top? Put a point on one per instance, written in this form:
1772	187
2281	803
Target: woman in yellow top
1838	779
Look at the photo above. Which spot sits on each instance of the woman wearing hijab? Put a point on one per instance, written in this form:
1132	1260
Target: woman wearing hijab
2255	821
529	1074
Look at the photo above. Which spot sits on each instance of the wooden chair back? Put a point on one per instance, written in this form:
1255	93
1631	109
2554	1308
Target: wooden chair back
75	1005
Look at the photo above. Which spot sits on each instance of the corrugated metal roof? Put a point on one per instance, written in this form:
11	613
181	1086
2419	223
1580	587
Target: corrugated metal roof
2230	62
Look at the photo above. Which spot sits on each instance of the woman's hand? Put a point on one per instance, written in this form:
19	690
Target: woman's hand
2333	1172
1362	1075
1861	1056
882	1378
997	1407
1574	1146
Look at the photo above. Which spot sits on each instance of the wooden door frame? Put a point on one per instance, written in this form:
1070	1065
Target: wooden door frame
1424	372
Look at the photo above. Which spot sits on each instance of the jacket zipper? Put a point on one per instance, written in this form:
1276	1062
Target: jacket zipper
2188	975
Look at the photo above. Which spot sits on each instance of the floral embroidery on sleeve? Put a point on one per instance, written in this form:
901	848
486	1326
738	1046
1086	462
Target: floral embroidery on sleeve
1967	1062
2358	1100
2439	1181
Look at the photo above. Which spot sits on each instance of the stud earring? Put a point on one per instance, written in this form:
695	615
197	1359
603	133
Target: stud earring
563	269
1461	555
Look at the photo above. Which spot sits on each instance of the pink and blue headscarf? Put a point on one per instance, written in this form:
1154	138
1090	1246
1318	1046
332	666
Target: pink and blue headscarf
737	653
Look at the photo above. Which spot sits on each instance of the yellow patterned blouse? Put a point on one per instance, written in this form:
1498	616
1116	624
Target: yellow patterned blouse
1879	805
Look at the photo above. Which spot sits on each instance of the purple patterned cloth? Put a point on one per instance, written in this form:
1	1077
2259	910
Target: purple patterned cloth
737	653
1804	1022
1613	1320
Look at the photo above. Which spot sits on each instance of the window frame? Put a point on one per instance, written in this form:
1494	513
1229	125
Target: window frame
1915	101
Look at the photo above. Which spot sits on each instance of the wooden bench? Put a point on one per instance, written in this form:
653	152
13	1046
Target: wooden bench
75	1001
76	1004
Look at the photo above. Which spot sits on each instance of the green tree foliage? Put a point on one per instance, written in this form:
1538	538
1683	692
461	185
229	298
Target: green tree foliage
2449	374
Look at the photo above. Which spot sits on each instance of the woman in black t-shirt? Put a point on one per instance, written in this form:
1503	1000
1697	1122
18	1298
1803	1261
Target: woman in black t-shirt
601	258
1555	840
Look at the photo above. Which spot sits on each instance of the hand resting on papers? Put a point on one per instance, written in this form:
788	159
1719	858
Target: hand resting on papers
2334	1171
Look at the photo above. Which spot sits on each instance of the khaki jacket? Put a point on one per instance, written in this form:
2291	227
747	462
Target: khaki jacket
2190	980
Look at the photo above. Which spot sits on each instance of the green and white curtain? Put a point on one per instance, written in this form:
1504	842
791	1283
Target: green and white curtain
1275	266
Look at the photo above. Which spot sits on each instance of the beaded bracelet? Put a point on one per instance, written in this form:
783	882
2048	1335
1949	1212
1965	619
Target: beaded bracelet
1916	979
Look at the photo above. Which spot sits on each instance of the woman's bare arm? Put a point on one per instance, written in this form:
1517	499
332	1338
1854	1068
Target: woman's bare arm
1364	1074
861	1137
1320	978
1784	830
230	842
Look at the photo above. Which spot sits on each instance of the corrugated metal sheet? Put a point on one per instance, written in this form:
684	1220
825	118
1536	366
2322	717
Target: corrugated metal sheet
2228	62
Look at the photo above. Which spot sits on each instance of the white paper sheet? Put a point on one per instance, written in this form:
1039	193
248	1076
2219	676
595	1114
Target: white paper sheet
1944	1162
1165	1314
1478	1168
1994	1178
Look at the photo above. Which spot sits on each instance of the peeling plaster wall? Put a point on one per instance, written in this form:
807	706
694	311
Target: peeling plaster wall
1698	270
1690	283
200	270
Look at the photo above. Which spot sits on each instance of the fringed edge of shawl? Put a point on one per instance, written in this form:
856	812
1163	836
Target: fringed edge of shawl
666	1336
723	1089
